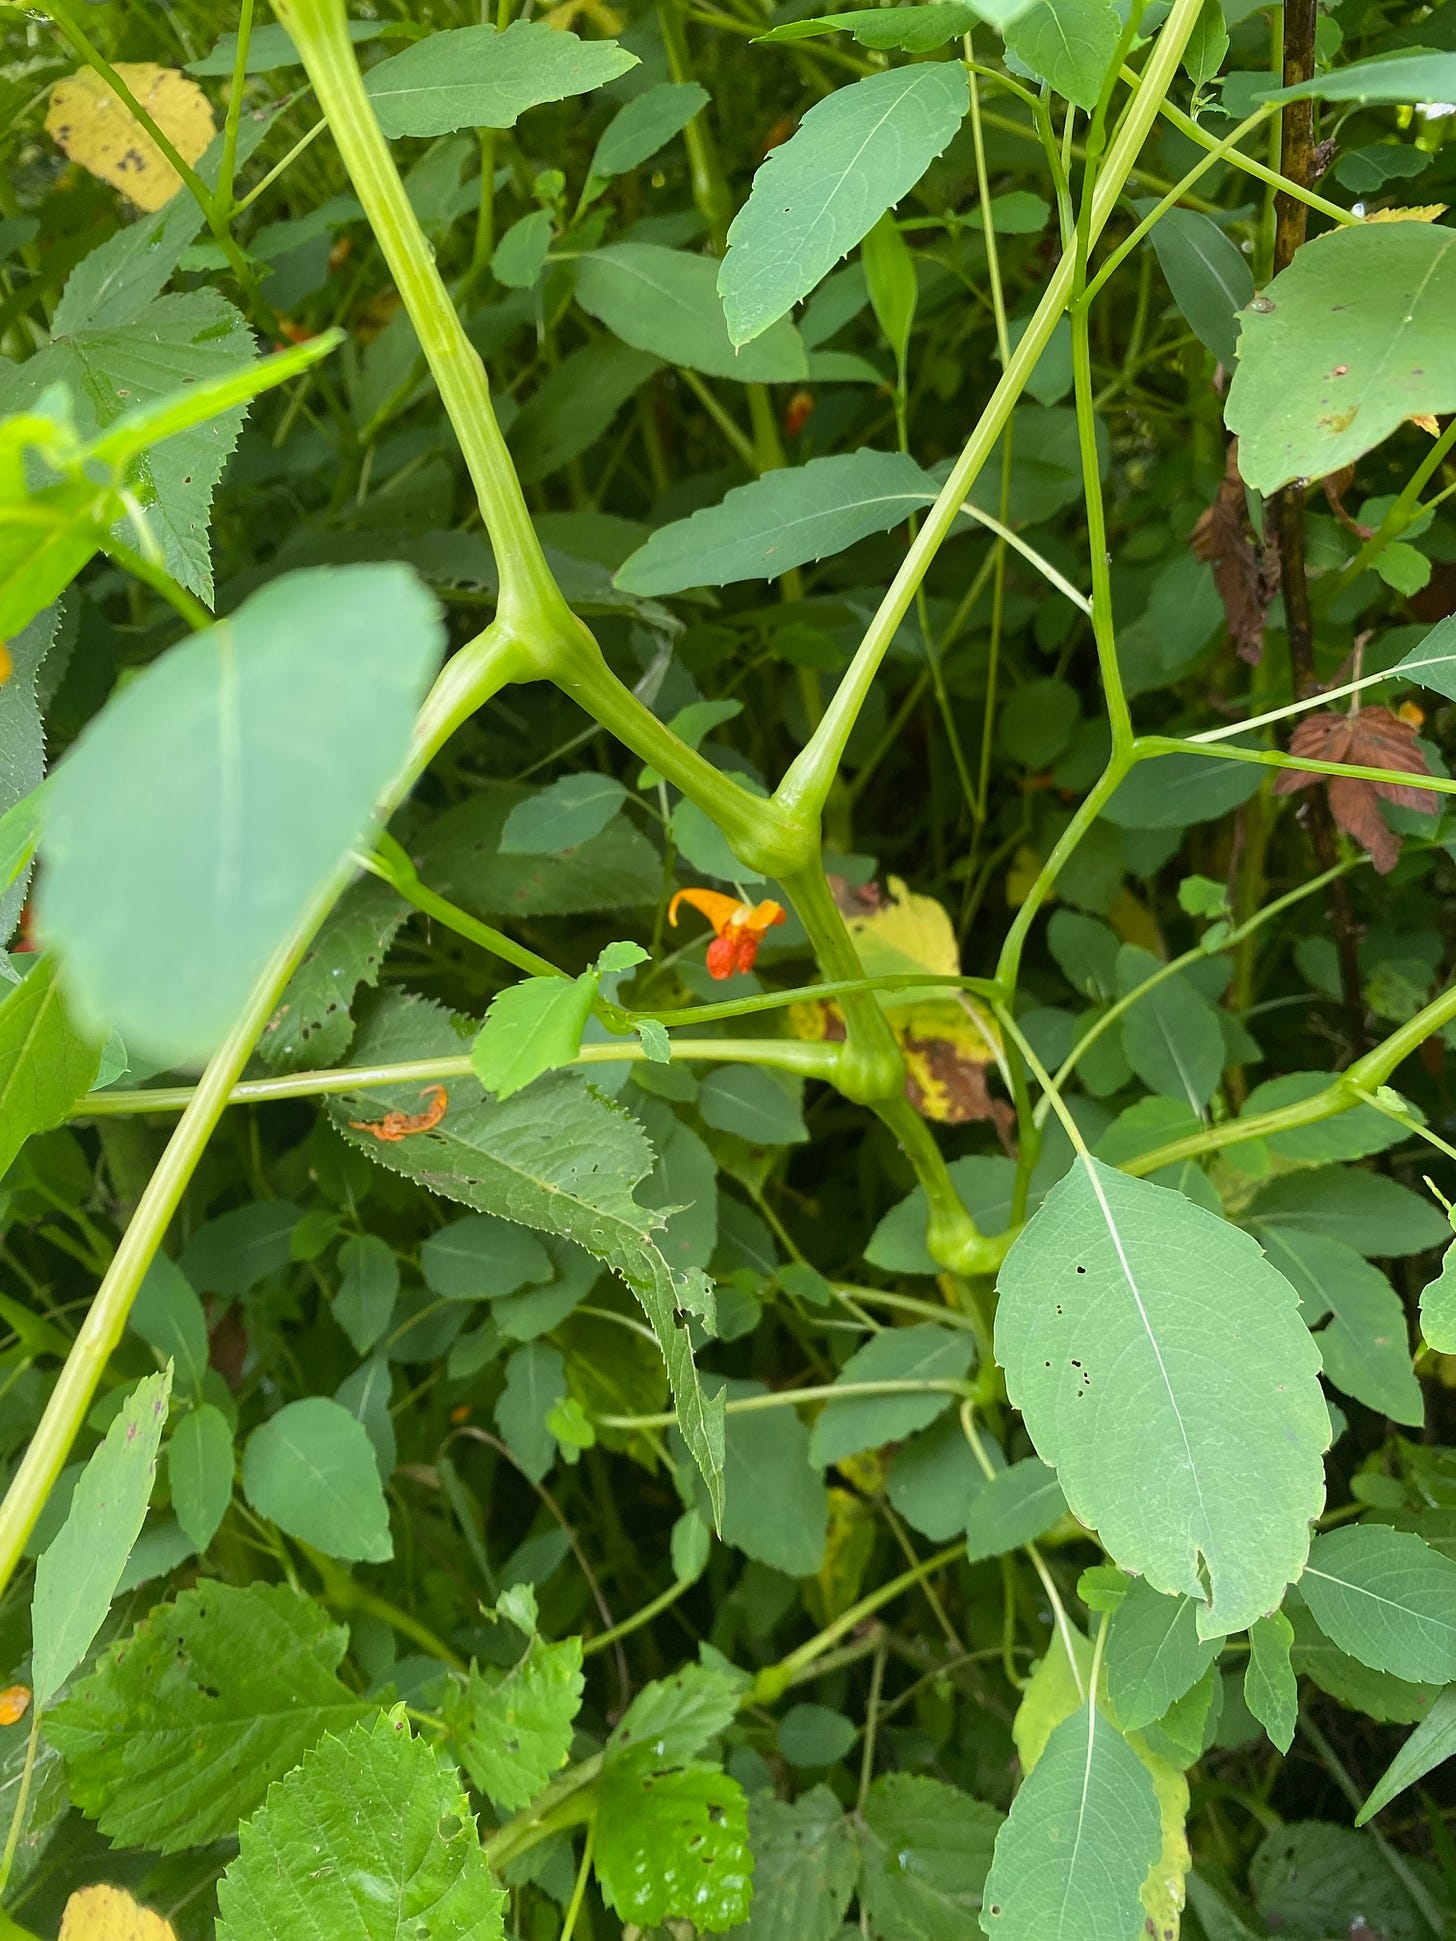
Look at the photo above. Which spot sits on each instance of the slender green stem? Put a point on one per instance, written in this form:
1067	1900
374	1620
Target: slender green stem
391	863
1088	810
530	600
809	1058
467	681
654	1608
1150	745
783	1398
228	171
1186	125
807	782
1400	515
774	1680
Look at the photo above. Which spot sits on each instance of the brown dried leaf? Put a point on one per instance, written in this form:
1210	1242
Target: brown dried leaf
1371	738
1222	538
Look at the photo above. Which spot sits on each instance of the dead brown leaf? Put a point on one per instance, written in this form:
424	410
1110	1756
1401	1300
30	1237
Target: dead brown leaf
1246	579
1371	738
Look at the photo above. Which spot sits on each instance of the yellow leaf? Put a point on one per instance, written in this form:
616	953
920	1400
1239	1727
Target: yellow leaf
606	19
1424	212
1024	870
1135	923
852	1529
904	932
1425	422
96	128
1053	1692
110	1914
947	1044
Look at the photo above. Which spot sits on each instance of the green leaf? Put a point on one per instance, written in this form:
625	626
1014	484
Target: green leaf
1271	1690
481	1258
1431	1744
368	1288
1348	1135
1438	1307
1015	1506
535	1384
932	1479
890	277
787	518
531	1027
1365	1346
1154	1654
520	255
1207	47
759	1105
169	1317
233	1253
853	156
1415	74
1086	953
1375	1694
370	1837
179	1731
570	812
811	1736
1037	723
460	857
19	833
775	1509
914	30
1433	661
1069	44
312	1026
666	302
1343	347
920	1355
200	814
1176	791
1082	1834
575	403
200	1471
77	1576
475	77
563	1160
1387	1598
513	1727
1207	272
22	764
1374	1215
672	1843
112	369
269	48
643	125
310	1469
1163	1370
678	1716
804	1867
925	1852
46	1065
1170	1034
1314	1879
114	283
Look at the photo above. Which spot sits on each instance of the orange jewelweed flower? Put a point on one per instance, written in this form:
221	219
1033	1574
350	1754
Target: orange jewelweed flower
738	927
14	1704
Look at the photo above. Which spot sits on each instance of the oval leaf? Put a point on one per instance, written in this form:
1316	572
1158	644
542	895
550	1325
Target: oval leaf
475	77
1387	1598
1164	1371
854	156
1345	345
310	1469
206	806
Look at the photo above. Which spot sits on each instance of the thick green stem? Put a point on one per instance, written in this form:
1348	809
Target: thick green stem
467	681
530	599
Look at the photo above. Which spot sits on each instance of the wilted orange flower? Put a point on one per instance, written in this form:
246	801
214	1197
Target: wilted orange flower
738	927
14	1704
